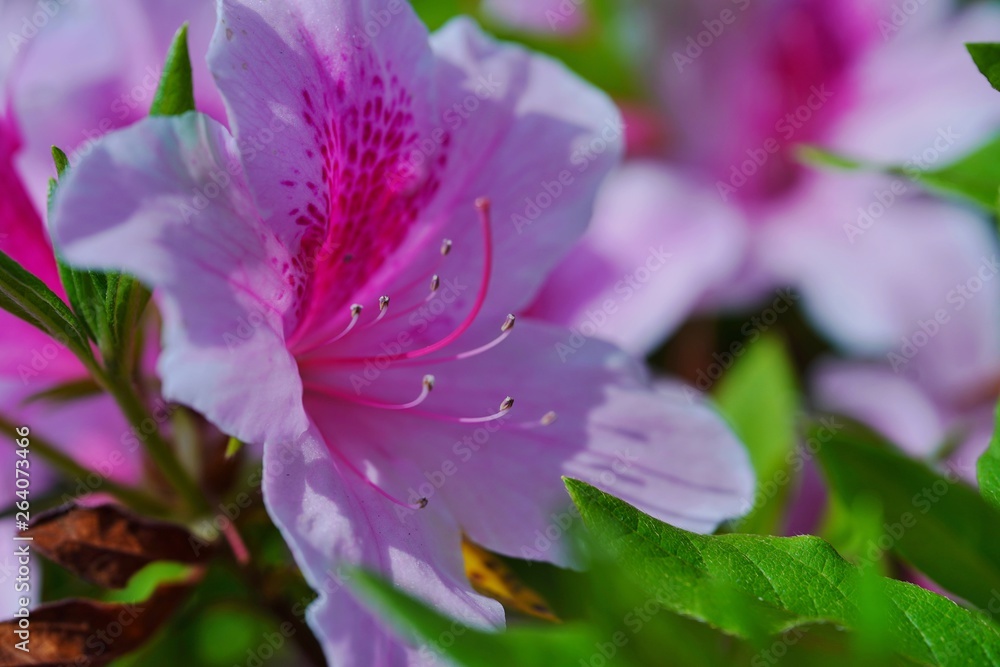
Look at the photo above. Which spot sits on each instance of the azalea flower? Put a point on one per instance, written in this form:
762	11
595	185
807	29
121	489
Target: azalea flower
870	255
340	280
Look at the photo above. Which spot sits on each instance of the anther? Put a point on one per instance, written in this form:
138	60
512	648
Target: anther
435	282
383	303
428	382
445	247
549	418
506	404
508	324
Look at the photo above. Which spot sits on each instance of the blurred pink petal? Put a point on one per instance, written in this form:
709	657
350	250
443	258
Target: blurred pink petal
656	241
92	67
541	16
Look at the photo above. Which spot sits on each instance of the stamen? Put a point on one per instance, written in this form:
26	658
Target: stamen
547	419
483	206
355	315
419	505
505	330
427	384
383	308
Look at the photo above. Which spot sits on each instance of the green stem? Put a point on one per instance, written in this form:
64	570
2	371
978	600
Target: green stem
122	389
158	448
70	468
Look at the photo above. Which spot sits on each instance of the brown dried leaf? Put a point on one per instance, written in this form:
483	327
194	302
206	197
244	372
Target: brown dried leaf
106	545
86	632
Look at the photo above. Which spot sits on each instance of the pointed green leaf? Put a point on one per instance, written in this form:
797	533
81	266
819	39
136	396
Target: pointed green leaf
986	55
67	391
937	522
988	468
760	399
27	297
975	177
790	580
522	646
62	162
175	94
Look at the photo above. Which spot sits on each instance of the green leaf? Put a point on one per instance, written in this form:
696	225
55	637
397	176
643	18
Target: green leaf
975	177
124	297
27	297
937	522
760	399
987	58
820	157
175	94
787	581
522	646
62	162
988	468
67	391
111	304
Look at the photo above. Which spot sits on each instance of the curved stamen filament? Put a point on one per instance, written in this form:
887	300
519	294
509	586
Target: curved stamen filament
355	316
483	206
505	407
547	419
383	308
426	386
420	504
505	330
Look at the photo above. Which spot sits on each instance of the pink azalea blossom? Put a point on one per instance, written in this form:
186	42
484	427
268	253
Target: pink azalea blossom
90	429
540	16
336	280
870	255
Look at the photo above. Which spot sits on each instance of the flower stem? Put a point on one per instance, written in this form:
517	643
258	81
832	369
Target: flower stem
158	448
